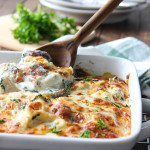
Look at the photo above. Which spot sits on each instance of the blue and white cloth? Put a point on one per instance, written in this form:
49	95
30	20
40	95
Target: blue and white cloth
129	48
136	51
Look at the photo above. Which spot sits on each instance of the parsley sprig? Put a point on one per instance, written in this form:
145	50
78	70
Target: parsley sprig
55	131
39	25
101	124
85	134
116	105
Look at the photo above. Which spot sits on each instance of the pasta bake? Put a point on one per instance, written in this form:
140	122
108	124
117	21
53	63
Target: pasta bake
39	98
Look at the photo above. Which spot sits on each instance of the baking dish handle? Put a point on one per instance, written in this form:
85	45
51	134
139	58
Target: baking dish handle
145	129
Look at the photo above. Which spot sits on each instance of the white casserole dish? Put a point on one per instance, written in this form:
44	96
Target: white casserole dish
95	65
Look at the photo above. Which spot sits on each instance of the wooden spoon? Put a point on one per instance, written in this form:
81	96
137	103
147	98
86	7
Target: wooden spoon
63	53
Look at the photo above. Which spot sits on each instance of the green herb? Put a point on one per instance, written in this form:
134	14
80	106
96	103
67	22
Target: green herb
1	84
45	99
2	121
14	100
86	103
53	95
103	135
35	98
126	106
39	25
26	89
34	66
88	79
122	98
101	124
66	85
54	130
35	116
106	97
35	91
85	134
6	67
88	94
40	96
23	107
94	79
96	110
97	134
100	107
116	105
39	83
14	68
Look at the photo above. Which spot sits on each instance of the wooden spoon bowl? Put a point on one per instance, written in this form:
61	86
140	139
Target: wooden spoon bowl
63	53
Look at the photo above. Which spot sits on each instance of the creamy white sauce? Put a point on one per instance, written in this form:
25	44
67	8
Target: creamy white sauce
45	81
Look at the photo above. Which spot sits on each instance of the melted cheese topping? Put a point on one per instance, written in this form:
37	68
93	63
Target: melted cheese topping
33	74
95	107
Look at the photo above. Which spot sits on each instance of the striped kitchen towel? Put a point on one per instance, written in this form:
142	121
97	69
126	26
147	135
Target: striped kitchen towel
136	51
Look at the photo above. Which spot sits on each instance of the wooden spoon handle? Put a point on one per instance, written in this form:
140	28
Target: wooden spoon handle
96	20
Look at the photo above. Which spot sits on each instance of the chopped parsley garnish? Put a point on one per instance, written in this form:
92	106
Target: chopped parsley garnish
14	68
26	89
86	103
39	25
55	131
34	66
35	116
23	107
89	79
100	108
116	105
103	135
106	97
1	84
94	79
66	85
96	110
85	134
122	98
40	96
53	95
101	124
14	100
126	106
2	121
